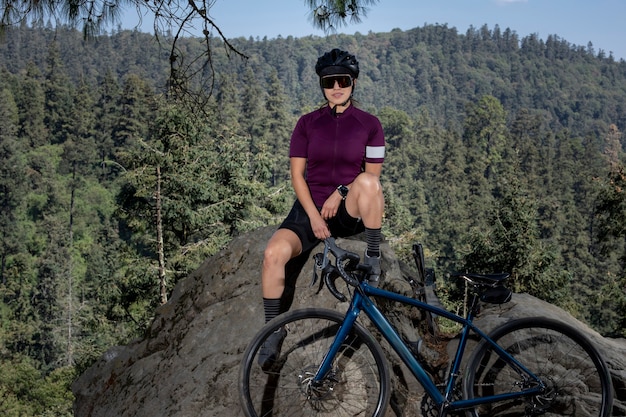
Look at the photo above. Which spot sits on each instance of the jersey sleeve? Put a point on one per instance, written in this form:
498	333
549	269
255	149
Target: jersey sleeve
298	145
375	148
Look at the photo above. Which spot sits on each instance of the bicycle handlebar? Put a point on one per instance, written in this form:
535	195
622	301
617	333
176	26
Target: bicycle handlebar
343	259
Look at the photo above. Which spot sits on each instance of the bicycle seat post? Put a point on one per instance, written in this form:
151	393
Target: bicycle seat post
474	307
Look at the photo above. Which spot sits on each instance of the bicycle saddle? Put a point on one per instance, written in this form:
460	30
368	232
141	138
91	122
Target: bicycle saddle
484	279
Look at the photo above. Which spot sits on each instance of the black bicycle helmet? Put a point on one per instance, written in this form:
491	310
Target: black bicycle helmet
337	62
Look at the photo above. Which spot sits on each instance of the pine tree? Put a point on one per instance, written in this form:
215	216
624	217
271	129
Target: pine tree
277	128
486	146
31	105
448	196
253	113
12	182
58	96
135	110
80	158
228	111
106	109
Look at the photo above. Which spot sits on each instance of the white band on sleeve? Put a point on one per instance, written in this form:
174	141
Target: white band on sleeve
375	152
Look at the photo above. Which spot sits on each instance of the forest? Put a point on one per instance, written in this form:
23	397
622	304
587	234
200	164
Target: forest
503	154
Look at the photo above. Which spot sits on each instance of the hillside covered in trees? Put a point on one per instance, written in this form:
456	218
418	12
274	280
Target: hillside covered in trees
504	154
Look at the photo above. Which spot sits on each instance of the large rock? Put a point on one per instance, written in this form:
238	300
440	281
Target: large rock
188	363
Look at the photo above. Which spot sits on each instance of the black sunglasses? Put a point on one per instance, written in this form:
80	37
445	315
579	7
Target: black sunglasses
343	81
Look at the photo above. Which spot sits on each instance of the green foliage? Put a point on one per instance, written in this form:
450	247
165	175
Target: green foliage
504	154
332	14
211	187
609	309
25	392
509	242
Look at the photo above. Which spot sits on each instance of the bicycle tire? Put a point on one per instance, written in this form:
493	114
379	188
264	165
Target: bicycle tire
577	378
358	385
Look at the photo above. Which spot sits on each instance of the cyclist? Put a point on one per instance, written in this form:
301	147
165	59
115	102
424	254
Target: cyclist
336	155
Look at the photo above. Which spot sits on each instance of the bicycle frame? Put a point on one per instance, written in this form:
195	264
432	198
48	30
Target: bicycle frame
361	302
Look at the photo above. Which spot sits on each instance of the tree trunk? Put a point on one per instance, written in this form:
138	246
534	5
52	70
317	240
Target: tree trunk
159	230
70	347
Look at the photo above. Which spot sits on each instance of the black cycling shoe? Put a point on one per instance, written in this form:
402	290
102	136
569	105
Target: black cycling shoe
374	276
270	350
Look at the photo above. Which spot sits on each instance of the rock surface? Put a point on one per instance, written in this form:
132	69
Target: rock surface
188	363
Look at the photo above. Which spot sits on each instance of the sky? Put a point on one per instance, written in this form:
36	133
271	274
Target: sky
601	22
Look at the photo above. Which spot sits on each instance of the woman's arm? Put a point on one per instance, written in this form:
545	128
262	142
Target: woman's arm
318	224
374	169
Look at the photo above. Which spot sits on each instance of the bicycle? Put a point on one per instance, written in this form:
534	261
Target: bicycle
331	365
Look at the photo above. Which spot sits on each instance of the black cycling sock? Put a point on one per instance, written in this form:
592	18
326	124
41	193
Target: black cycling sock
372	237
271	307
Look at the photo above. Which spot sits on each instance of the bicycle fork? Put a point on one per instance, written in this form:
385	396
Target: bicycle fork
325	367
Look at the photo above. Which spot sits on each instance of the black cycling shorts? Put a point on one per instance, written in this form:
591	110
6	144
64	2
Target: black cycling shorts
342	225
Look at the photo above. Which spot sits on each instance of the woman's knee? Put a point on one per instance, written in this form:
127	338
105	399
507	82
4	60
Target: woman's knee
278	251
274	254
367	183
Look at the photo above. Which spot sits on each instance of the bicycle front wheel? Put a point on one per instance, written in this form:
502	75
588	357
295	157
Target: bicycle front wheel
576	378
358	384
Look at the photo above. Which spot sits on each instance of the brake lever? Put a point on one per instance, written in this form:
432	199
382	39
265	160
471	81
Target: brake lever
322	264
321	261
318	260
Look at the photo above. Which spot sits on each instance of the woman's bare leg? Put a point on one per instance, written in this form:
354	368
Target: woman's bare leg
366	200
282	246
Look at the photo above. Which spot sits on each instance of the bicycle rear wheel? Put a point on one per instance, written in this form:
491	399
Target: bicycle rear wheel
577	380
358	384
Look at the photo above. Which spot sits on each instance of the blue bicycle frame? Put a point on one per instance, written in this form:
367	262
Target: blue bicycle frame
361	301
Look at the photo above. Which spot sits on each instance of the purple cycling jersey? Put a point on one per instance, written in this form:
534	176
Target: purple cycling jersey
336	148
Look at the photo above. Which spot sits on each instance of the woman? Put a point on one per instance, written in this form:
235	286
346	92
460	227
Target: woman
336	156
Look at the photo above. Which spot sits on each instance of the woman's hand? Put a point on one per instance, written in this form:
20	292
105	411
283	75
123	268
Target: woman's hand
331	206
320	228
